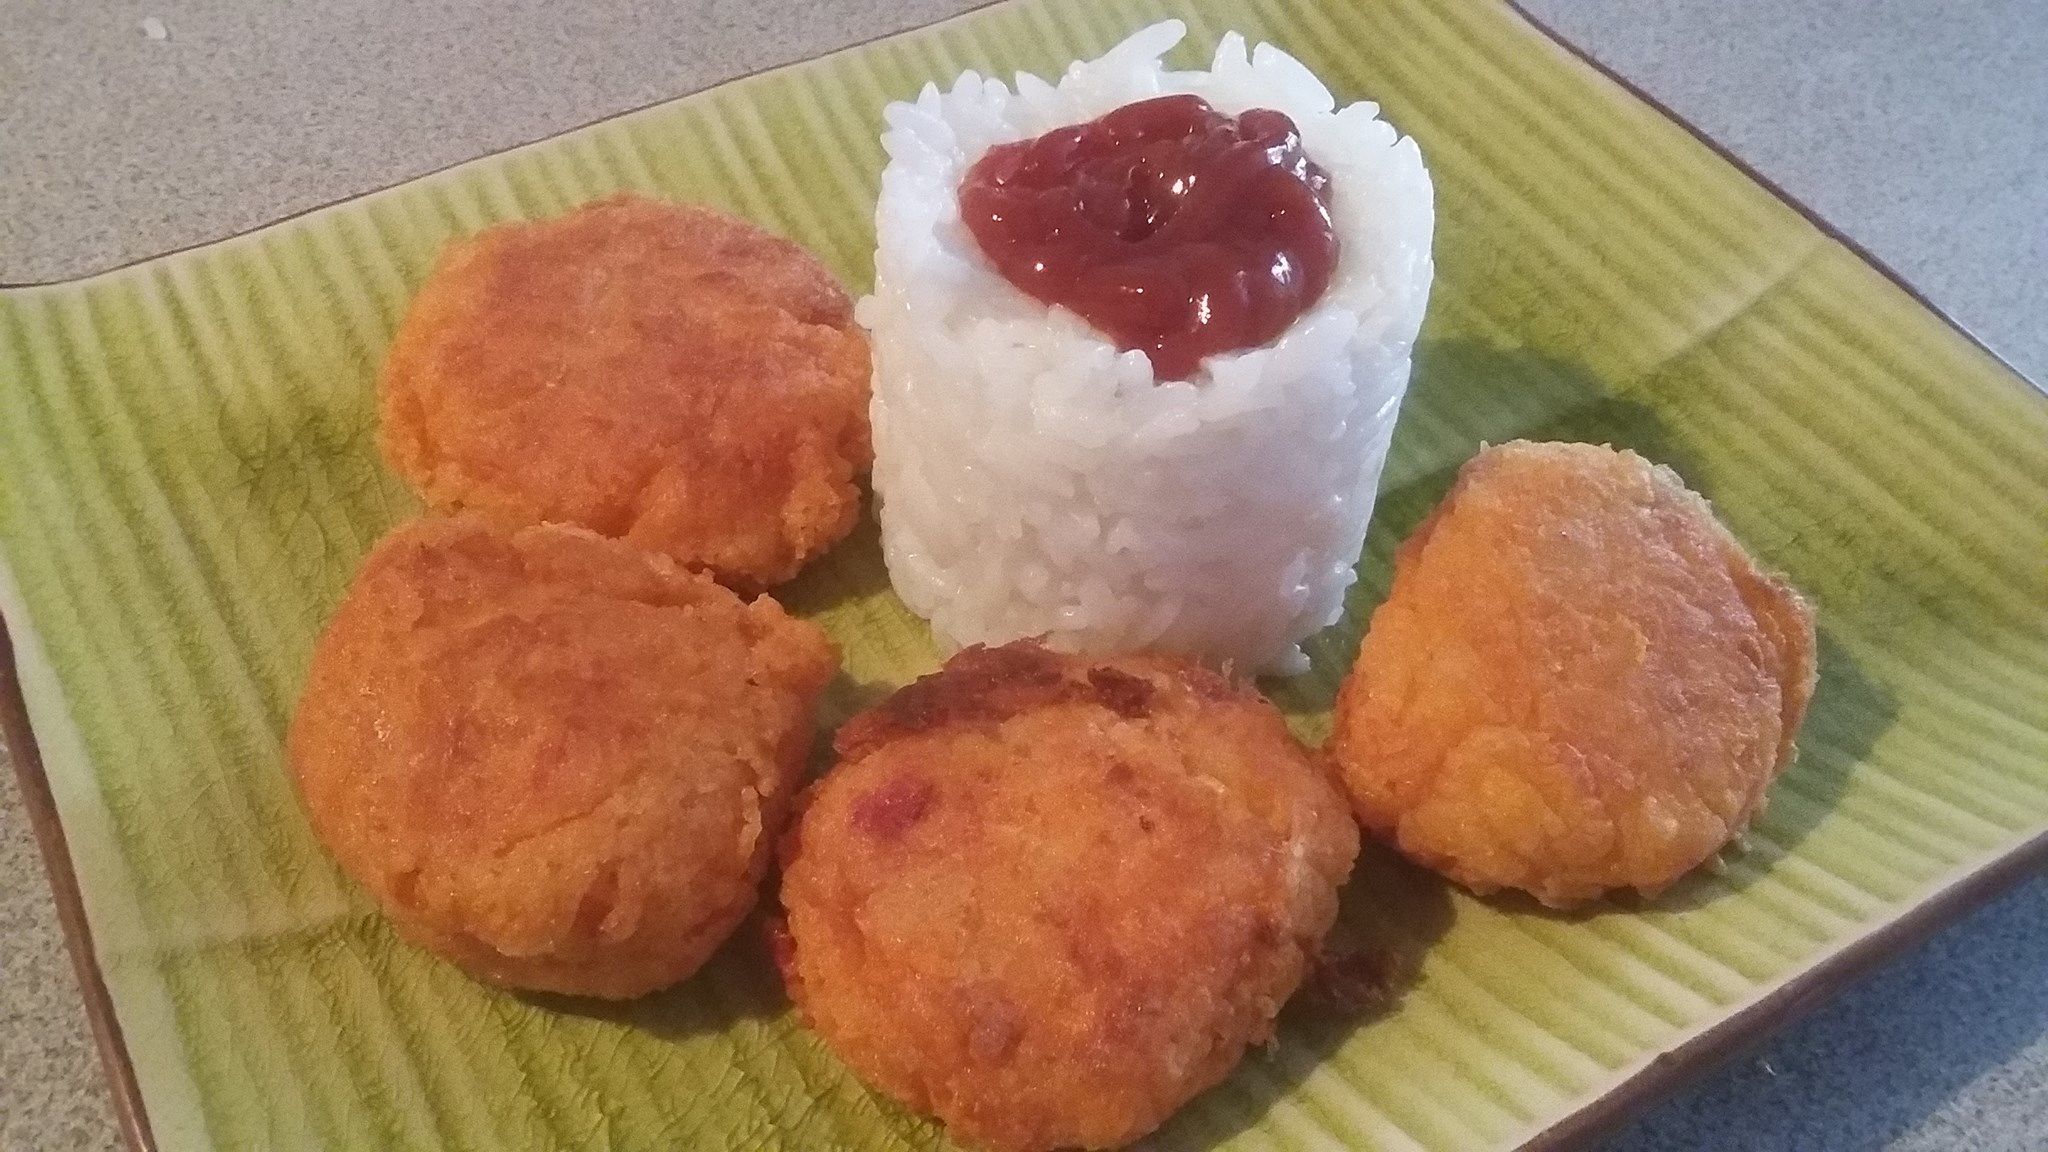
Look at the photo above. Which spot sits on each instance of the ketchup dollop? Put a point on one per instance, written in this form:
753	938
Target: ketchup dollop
1169	226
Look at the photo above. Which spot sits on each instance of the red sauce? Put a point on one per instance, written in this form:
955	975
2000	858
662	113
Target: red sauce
1170	227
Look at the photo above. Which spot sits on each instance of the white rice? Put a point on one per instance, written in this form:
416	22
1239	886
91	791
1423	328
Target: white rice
1036	481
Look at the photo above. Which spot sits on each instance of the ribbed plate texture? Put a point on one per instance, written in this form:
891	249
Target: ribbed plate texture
188	479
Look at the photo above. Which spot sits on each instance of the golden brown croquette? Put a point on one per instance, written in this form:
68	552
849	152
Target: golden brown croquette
1578	682
1050	898
556	761
660	373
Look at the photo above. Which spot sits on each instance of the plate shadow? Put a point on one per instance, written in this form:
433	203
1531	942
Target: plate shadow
739	983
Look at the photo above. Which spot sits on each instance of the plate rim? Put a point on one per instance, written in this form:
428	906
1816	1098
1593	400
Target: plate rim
1654	1079
44	822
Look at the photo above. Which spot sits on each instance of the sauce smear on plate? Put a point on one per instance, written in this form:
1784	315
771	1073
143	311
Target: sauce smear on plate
1169	226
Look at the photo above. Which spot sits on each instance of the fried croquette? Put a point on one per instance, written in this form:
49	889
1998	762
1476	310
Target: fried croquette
660	373
1050	898
556	761
1579	681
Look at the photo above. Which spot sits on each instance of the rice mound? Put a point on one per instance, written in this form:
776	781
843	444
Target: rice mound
1036	481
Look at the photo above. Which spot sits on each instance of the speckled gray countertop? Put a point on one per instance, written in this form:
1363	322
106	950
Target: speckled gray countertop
1918	127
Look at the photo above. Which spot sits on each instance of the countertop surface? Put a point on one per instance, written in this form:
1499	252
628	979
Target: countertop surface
1919	128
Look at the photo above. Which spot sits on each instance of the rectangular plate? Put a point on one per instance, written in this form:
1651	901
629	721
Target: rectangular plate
190	479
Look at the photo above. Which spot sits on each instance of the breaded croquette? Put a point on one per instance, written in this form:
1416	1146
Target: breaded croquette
660	373
1579	681
554	760
1050	898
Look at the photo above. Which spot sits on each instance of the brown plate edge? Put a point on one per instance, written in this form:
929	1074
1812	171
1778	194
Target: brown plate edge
1666	1071
1722	1041
43	819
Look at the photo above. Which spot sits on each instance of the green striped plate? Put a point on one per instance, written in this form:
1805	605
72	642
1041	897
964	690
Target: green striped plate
189	479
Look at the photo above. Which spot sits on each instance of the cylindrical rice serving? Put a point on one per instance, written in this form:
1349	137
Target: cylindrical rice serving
1140	339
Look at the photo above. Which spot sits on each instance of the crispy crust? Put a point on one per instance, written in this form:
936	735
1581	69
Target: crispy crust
1579	681
985	686
552	759
661	373
1049	898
